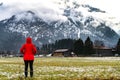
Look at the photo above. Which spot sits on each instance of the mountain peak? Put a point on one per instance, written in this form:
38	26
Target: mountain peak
30	12
79	22
27	15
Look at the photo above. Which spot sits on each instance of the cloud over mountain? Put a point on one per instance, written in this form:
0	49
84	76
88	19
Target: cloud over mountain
47	21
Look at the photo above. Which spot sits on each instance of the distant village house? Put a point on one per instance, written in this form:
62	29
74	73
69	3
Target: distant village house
103	51
62	53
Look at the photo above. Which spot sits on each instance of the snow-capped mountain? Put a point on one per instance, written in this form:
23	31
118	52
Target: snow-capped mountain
76	24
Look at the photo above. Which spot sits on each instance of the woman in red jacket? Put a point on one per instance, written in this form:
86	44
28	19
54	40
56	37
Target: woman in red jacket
28	50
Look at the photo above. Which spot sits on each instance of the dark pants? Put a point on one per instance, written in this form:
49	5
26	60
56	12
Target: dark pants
30	63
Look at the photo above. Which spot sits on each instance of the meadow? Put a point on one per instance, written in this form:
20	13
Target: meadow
61	68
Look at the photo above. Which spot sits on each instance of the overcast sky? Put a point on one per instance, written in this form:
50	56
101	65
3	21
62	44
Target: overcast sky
110	6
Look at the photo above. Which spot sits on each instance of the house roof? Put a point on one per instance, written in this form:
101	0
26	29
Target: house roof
61	50
102	47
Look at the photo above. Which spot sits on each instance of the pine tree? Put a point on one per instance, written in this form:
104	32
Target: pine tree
118	46
78	47
88	47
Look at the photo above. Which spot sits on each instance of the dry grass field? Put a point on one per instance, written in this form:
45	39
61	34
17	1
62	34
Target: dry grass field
61	68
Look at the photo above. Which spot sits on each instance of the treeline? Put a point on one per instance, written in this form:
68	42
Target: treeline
77	46
83	48
59	44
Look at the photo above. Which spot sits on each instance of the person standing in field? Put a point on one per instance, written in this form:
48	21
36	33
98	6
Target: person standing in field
28	50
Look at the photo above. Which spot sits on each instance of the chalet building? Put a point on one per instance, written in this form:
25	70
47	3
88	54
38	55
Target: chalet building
62	53
115	52
103	51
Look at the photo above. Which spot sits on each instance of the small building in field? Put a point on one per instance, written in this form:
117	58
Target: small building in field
62	53
103	51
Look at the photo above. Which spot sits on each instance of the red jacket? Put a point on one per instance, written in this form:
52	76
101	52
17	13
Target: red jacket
28	49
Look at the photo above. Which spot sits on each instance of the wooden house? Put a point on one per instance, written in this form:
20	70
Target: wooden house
62	53
103	51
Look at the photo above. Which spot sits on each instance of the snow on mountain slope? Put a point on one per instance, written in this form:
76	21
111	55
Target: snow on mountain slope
74	21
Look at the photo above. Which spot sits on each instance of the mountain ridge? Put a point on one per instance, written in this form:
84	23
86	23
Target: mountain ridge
76	25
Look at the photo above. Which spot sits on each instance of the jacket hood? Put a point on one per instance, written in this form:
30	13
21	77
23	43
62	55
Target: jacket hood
28	40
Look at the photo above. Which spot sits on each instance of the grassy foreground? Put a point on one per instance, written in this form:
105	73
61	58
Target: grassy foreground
74	68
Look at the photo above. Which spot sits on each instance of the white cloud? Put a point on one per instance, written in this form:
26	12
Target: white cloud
47	8
43	8
110	6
